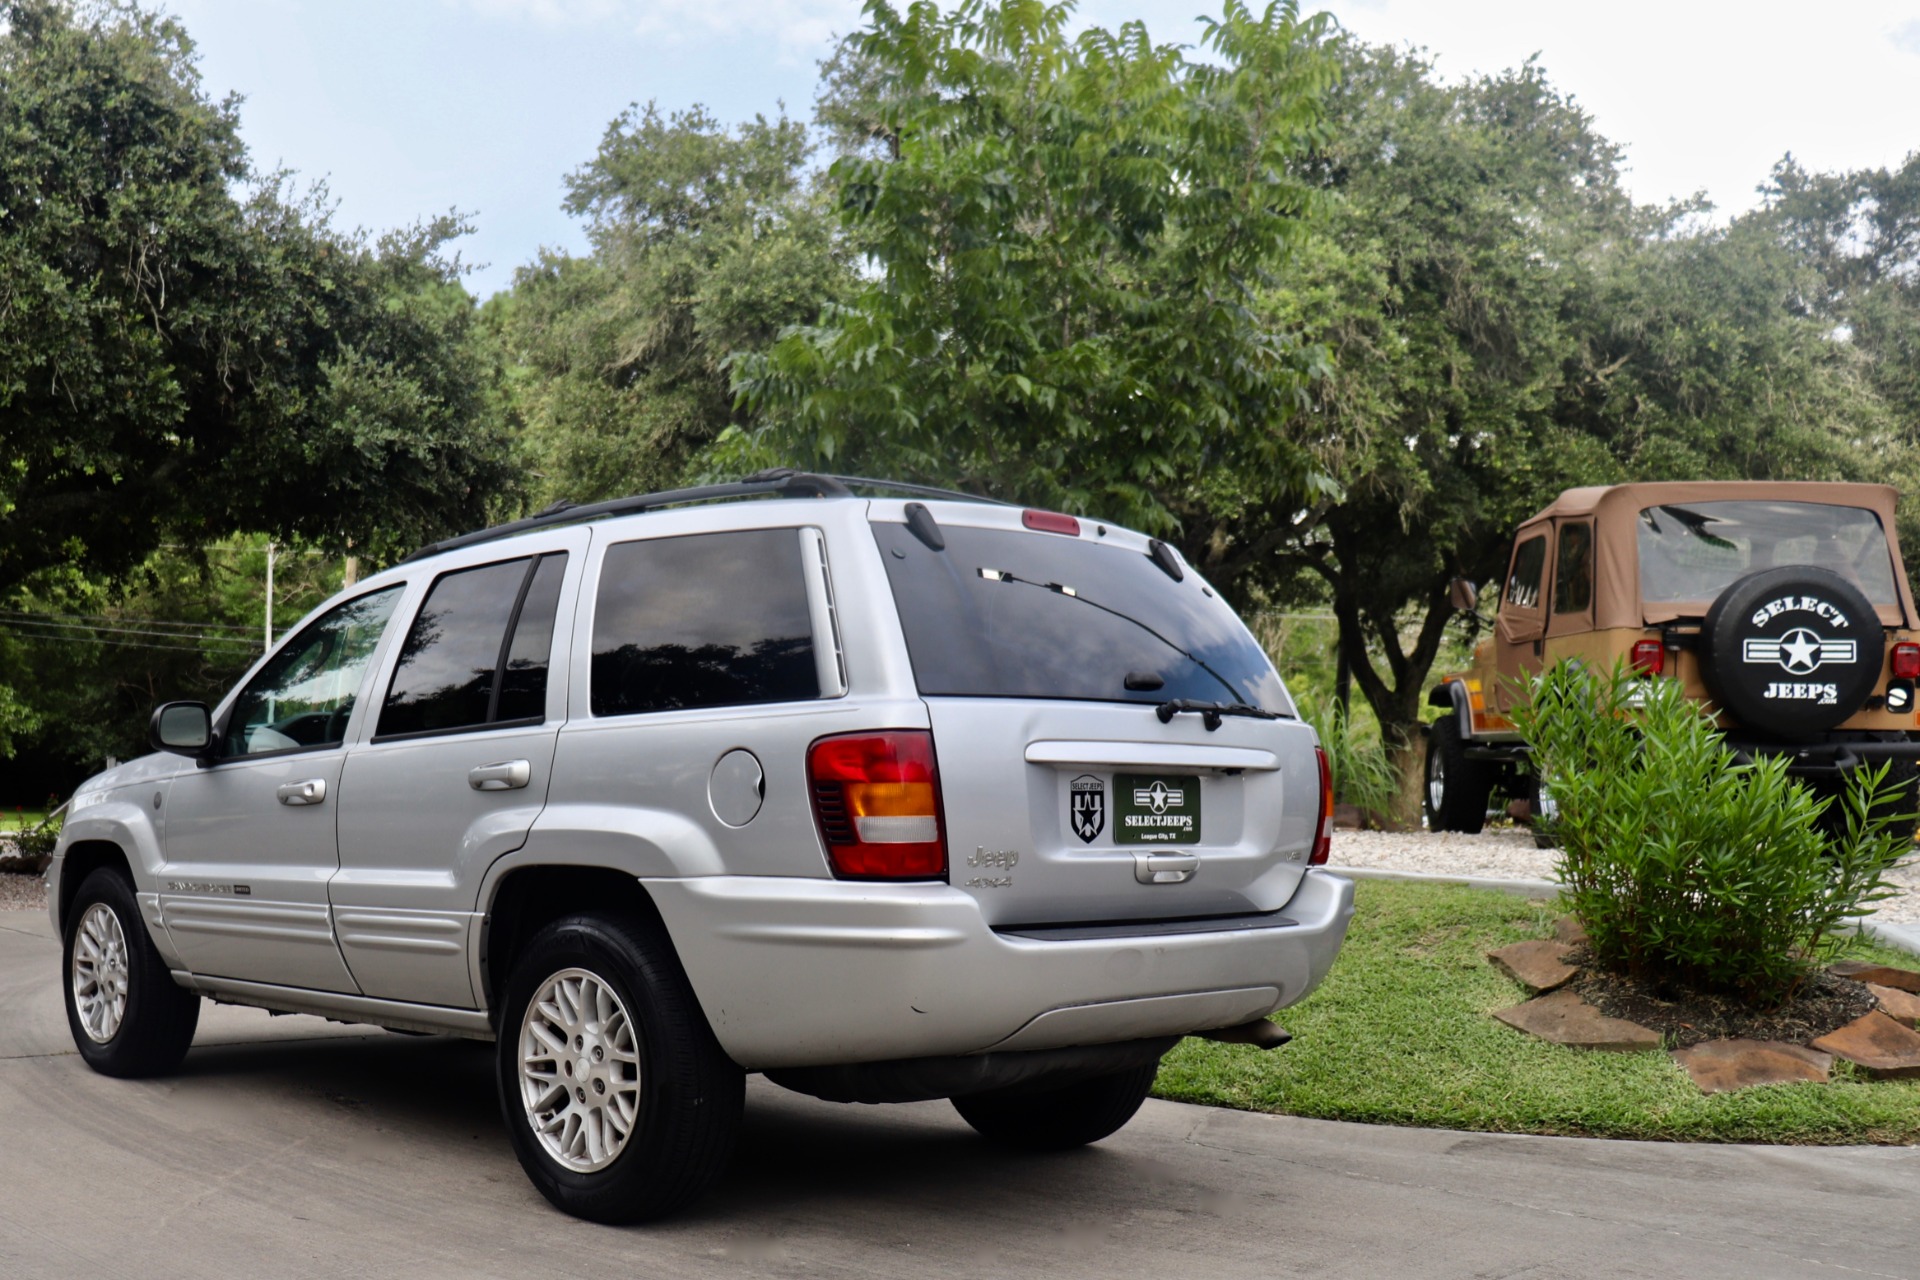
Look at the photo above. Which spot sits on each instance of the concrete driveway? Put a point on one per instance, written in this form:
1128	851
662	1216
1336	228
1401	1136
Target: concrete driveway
292	1147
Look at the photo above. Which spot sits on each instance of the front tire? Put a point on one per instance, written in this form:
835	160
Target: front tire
128	1016
1457	788
1056	1119
620	1103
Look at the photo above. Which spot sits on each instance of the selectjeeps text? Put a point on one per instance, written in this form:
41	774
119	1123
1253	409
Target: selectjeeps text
888	799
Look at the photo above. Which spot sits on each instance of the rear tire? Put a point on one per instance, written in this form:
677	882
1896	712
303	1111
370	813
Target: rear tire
1457	788
128	1016
1057	1119
620	1103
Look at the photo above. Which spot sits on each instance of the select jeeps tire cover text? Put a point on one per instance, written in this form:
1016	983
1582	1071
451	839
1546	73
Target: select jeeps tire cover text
1792	651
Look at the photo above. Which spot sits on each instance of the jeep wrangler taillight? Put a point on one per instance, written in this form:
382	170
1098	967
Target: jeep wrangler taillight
1323	834
1906	661
1649	657
877	799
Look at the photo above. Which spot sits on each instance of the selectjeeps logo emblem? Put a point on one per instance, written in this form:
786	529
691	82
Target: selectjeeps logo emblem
1800	651
1089	807
1159	797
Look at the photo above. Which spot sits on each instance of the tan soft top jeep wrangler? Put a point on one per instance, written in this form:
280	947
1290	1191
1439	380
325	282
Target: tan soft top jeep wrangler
1783	604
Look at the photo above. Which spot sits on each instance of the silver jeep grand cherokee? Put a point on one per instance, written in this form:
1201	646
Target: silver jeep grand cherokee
888	799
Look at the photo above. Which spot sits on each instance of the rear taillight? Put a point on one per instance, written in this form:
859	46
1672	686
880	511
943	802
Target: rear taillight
1050	522
1906	661
877	799
1649	657
1323	835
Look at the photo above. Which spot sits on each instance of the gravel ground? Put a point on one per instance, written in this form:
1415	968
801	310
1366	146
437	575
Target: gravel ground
1505	854
22	893
1508	854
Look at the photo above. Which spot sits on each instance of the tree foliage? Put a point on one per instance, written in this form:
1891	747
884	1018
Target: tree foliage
186	348
1069	235
705	241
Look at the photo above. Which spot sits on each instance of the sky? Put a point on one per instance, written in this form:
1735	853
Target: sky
407	108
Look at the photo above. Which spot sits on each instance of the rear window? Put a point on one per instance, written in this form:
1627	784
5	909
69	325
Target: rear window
1691	552
1007	614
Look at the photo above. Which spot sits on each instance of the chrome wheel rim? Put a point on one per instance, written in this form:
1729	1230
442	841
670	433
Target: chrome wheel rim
579	1070
1436	782
100	973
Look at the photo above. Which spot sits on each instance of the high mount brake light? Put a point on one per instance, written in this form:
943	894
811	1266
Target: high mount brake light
1323	834
1906	661
1649	657
1050	522
876	797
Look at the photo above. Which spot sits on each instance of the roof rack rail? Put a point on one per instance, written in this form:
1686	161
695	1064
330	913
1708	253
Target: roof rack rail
781	481
918	490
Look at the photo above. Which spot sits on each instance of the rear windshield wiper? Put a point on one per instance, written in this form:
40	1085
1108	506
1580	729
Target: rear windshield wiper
1210	712
1239	706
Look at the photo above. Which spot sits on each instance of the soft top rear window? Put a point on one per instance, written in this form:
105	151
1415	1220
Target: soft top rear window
1008	614
1693	551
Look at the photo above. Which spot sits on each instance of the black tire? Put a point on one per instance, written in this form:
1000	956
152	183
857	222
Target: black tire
1792	651
1457	790
1055	1119
128	1016
689	1093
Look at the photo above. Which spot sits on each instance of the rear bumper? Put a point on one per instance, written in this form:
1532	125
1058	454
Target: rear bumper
794	972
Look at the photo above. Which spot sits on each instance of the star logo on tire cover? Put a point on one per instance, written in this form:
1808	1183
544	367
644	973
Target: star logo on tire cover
1799	652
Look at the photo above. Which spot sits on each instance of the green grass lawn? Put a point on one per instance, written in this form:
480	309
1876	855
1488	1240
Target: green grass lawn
12	820
1399	1034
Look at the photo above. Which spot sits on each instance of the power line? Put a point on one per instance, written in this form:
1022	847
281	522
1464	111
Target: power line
97	629
109	621
122	644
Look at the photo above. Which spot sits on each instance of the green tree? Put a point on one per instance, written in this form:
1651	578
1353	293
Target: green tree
1460	219
1069	236
188	350
705	241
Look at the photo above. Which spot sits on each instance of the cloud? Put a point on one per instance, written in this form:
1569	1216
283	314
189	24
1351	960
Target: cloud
796	26
1906	37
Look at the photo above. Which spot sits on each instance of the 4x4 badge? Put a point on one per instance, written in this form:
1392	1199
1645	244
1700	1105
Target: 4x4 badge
1089	807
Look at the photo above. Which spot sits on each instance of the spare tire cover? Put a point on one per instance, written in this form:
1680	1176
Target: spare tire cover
1792	651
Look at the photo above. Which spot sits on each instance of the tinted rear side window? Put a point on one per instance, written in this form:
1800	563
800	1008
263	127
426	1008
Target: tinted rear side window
1009	614
450	675
706	620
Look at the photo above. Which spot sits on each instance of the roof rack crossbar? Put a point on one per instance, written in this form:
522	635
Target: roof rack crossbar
793	484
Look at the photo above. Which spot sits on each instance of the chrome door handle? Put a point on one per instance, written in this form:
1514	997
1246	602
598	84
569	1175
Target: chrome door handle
1165	868
508	775
312	791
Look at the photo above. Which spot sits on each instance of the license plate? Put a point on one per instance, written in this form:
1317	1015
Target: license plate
1156	808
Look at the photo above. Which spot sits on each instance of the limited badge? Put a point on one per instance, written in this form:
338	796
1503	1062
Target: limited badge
1088	807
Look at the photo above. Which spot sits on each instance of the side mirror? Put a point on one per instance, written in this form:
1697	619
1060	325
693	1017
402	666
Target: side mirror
1462	595
184	728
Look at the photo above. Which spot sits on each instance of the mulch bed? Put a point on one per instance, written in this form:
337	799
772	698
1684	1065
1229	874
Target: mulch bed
1824	1003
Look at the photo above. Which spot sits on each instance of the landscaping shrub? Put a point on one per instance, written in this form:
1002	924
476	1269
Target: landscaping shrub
1362	774
1682	862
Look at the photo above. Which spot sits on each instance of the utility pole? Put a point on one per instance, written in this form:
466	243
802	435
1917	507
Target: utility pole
269	595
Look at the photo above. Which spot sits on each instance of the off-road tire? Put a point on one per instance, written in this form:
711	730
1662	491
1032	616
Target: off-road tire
156	1027
690	1093
1457	789
1056	1119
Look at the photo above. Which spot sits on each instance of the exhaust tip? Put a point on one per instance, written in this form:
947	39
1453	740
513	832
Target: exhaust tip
1260	1033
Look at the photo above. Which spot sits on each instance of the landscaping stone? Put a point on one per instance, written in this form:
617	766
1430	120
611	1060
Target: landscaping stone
1877	1045
1720	1066
1568	932
1564	1018
1539	964
1878	974
1902	1006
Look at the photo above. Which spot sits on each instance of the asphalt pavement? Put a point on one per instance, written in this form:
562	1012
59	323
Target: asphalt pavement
294	1147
